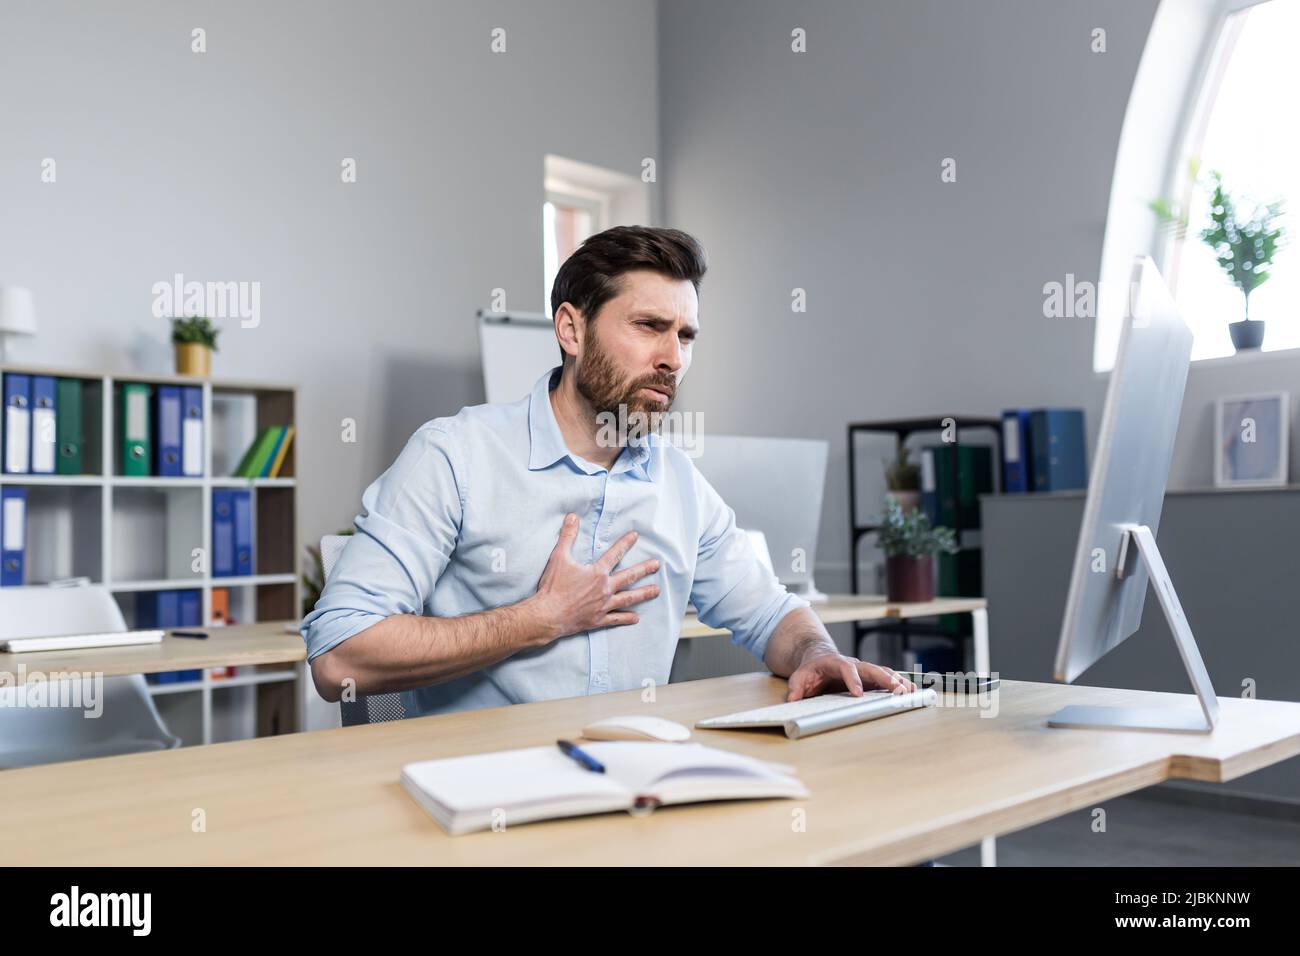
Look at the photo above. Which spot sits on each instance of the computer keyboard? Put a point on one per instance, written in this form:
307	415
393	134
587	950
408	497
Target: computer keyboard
779	713
813	715
71	642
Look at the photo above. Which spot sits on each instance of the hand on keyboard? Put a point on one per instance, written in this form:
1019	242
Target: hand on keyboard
827	673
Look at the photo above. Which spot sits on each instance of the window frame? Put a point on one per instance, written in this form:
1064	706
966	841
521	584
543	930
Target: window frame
1167	102
593	202
1195	111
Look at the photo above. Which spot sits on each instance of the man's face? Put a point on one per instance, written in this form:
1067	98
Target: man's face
636	351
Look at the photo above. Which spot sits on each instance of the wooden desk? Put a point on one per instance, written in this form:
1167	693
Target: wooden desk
242	645
843	608
269	643
894	791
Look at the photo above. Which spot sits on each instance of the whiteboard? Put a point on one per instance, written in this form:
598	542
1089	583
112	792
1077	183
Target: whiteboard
517	348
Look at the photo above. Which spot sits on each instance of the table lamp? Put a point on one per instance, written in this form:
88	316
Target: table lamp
17	314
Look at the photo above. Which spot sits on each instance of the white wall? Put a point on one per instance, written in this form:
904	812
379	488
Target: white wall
820	170
226	166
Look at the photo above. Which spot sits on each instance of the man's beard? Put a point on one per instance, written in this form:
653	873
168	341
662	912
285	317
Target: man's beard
601	384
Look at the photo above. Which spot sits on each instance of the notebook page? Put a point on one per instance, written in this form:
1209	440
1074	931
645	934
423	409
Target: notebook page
510	778
638	765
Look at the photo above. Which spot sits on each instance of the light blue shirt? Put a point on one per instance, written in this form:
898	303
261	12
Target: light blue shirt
466	519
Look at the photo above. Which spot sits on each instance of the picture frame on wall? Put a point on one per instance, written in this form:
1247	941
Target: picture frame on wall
1251	440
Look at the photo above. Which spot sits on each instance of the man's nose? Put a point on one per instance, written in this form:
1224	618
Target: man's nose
669	358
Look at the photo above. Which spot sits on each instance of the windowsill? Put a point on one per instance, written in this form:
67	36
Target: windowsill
1246	357
1225	360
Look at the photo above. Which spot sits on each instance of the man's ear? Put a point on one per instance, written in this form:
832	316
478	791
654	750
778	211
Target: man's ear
569	327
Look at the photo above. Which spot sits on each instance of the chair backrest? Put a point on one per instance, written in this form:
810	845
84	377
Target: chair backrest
46	612
331	546
367	708
120	719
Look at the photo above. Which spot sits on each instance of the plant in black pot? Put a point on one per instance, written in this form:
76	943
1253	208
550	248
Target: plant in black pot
910	545
1245	237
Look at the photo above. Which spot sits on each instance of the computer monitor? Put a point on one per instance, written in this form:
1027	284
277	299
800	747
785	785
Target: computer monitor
774	485
1117	551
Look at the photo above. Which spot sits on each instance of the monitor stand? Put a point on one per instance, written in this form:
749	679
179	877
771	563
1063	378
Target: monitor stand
1176	719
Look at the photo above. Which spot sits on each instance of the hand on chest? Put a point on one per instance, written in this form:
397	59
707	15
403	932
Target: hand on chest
511	538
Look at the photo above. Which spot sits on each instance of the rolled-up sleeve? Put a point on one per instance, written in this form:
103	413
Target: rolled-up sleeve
407	531
732	588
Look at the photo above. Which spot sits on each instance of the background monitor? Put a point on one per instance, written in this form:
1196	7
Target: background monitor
774	485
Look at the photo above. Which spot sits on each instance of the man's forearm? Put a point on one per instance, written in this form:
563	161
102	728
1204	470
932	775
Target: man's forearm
408	650
797	636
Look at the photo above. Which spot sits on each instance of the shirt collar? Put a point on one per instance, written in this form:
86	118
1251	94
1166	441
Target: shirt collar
546	441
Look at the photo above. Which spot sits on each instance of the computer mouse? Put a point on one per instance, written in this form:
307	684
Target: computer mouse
636	727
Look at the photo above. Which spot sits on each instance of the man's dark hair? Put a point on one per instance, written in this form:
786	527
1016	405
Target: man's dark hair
593	274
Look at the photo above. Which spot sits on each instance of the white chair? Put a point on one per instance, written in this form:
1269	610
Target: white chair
128	721
367	708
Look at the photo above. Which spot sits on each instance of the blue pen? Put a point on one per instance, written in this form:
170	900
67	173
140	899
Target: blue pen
584	758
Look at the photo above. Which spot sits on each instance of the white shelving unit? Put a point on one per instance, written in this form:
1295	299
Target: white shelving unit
137	534
211	712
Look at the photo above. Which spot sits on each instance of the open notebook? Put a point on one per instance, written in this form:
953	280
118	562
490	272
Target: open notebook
539	783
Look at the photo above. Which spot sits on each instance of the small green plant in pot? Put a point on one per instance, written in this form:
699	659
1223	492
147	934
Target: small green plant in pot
195	338
910	545
903	480
1245	237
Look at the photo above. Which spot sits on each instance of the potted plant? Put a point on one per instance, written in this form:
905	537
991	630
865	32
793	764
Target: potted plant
1244	243
903	480
195	339
910	545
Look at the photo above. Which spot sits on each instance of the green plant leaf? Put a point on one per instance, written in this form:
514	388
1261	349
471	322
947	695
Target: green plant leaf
910	533
194	330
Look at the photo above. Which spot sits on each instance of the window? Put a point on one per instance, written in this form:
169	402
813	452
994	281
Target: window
580	201
1243	127
567	219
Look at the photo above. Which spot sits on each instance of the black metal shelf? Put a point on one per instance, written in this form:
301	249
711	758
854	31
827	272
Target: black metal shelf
902	429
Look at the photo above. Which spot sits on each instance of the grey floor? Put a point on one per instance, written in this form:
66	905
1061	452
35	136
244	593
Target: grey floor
1149	830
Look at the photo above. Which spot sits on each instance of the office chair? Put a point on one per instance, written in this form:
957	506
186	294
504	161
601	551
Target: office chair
367	708
30	736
